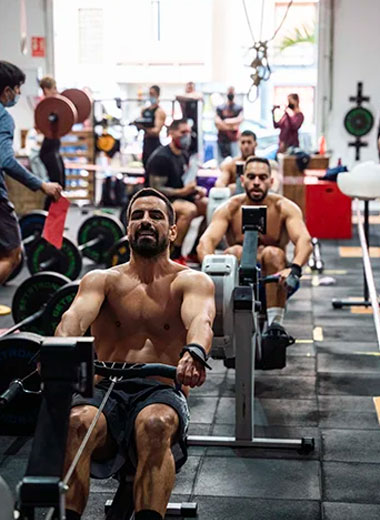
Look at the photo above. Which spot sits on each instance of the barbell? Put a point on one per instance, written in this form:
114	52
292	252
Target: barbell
55	115
96	236
37	307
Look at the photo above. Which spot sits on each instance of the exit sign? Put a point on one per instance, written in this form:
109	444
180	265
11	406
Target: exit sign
38	46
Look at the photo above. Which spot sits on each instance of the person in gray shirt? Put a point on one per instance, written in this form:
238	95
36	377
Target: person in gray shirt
11	80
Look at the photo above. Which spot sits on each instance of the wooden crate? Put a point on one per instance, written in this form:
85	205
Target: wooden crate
288	165
295	192
23	198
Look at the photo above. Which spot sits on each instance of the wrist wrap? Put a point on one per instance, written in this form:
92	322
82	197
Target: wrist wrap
197	352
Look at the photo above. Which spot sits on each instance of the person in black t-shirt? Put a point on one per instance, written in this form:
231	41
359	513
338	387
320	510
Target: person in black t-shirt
227	121
164	172
189	102
154	117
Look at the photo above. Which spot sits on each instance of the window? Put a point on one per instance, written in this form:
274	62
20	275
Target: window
299	24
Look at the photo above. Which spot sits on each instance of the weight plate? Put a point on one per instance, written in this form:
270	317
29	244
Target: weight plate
18	269
32	294
32	223
107	227
358	121
54	116
81	100
17	360
58	305
66	260
119	253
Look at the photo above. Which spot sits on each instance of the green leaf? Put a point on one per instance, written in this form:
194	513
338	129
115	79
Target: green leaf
303	34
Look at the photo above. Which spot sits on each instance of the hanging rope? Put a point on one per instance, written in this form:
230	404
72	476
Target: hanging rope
248	22
282	21
261	70
262	20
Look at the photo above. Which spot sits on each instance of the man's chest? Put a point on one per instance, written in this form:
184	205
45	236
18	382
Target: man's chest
145	308
274	228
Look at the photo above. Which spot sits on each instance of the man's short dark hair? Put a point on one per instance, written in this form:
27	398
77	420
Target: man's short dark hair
151	192
249	133
10	76
176	123
253	159
156	88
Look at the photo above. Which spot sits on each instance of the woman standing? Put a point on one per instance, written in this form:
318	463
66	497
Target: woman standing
289	123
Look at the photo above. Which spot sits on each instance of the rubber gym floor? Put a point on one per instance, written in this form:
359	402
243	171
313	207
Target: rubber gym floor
326	391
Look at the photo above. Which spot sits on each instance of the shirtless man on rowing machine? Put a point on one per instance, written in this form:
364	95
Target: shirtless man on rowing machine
284	224
149	310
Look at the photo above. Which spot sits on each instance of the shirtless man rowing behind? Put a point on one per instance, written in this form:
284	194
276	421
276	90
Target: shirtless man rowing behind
144	311
284	224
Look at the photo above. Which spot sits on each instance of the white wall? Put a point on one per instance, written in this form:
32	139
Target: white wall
355	51
10	50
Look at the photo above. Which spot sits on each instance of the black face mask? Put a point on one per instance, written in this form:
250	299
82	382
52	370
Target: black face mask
230	97
291	105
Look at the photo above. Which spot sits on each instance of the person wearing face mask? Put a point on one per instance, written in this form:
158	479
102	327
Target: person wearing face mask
227	121
289	123
11	79
154	117
165	171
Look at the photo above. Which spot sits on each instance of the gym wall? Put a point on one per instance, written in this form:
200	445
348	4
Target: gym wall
37	14
354	51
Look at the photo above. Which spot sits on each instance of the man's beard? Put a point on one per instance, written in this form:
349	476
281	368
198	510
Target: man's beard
148	248
257	197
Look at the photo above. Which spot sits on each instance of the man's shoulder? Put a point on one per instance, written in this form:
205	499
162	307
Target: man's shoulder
161	154
6	120
237	108
191	279
163	151
284	205
231	206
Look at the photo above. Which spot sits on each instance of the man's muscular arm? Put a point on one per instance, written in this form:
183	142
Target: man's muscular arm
298	235
226	175
197	313
85	307
158	183
214	233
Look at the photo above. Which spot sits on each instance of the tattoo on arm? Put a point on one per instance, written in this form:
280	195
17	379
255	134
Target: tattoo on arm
158	183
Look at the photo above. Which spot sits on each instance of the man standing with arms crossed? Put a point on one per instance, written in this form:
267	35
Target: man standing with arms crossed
11	80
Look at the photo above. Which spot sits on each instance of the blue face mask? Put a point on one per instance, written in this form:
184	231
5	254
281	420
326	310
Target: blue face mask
153	100
13	101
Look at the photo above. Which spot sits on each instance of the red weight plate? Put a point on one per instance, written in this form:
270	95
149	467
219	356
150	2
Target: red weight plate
54	116
82	102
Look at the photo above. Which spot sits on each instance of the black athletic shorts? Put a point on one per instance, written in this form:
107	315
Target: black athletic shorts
10	236
127	399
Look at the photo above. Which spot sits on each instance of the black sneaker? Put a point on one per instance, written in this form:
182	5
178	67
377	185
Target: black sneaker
277	331
274	343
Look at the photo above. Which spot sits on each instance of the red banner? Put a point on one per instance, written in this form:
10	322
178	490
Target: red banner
55	222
